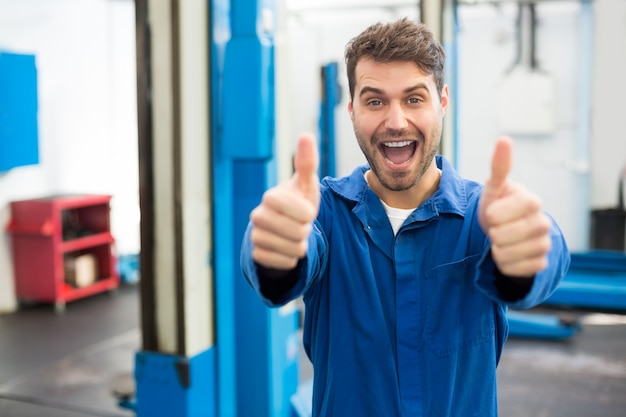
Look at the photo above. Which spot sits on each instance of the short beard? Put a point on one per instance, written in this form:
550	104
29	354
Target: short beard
428	156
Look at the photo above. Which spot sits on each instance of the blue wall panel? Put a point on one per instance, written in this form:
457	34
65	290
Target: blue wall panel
19	133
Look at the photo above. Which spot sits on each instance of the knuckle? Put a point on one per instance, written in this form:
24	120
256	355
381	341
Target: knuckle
255	214
546	245
304	231
257	255
254	235
492	234
545	224
539	224
258	237
259	216
496	252
267	195
490	215
541	263
271	197
302	248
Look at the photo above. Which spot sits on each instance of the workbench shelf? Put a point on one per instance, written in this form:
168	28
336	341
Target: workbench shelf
87	242
63	248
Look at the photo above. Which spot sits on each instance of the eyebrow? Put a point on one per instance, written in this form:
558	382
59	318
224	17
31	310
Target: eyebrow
418	86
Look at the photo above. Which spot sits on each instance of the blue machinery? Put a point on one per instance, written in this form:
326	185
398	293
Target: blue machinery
331	97
541	326
596	280
206	143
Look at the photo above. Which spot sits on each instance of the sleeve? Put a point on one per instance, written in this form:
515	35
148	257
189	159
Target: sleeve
512	288
275	290
542	285
275	283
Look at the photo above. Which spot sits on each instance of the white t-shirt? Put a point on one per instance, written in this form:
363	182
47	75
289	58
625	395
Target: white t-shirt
396	216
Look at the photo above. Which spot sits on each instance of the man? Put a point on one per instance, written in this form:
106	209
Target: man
405	268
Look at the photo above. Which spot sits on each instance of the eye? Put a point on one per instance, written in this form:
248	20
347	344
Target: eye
415	100
374	103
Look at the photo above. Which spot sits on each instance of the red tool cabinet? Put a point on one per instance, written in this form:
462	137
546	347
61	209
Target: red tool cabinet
63	248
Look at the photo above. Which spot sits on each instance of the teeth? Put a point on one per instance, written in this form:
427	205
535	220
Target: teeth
397	144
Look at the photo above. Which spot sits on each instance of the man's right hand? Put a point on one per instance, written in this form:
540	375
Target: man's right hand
283	221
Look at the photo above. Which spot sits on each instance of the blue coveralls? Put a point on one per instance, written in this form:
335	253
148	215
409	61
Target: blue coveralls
408	325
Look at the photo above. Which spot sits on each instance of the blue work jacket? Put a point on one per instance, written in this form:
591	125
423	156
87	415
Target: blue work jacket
408	325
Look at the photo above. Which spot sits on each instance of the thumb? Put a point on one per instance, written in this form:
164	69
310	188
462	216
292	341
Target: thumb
500	166
306	163
495	186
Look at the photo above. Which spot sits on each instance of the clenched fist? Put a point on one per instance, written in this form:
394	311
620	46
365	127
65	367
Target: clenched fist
283	221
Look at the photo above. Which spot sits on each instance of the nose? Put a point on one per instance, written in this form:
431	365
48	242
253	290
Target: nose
396	118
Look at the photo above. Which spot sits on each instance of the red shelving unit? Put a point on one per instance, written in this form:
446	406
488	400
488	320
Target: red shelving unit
51	236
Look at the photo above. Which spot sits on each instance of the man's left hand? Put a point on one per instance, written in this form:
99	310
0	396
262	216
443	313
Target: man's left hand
513	219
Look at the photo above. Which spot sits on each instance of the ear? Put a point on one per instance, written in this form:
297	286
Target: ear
445	100
350	110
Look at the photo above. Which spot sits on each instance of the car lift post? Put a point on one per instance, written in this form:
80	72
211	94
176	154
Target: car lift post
206	114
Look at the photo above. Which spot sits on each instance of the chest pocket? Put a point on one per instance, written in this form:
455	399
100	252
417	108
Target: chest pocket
457	314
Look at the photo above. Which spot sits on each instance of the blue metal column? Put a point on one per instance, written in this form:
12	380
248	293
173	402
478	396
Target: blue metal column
223	207
331	96
257	348
199	183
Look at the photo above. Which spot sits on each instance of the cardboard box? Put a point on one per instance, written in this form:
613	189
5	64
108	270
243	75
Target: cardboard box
81	271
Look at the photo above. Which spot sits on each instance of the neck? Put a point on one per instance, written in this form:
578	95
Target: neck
410	198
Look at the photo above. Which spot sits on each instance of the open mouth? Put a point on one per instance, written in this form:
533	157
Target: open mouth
399	152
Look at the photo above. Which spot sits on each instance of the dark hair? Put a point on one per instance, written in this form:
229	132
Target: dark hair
402	40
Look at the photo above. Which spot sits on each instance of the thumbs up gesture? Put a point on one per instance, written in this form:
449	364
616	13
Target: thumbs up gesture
282	222
512	218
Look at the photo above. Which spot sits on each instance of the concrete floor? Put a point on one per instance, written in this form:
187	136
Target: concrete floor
67	365
582	376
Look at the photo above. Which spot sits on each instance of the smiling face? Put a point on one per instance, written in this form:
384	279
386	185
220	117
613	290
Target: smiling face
397	115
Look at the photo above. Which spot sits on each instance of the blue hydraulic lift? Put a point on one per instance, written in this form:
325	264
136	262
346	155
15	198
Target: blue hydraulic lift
258	348
541	326
206	143
331	97
596	280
